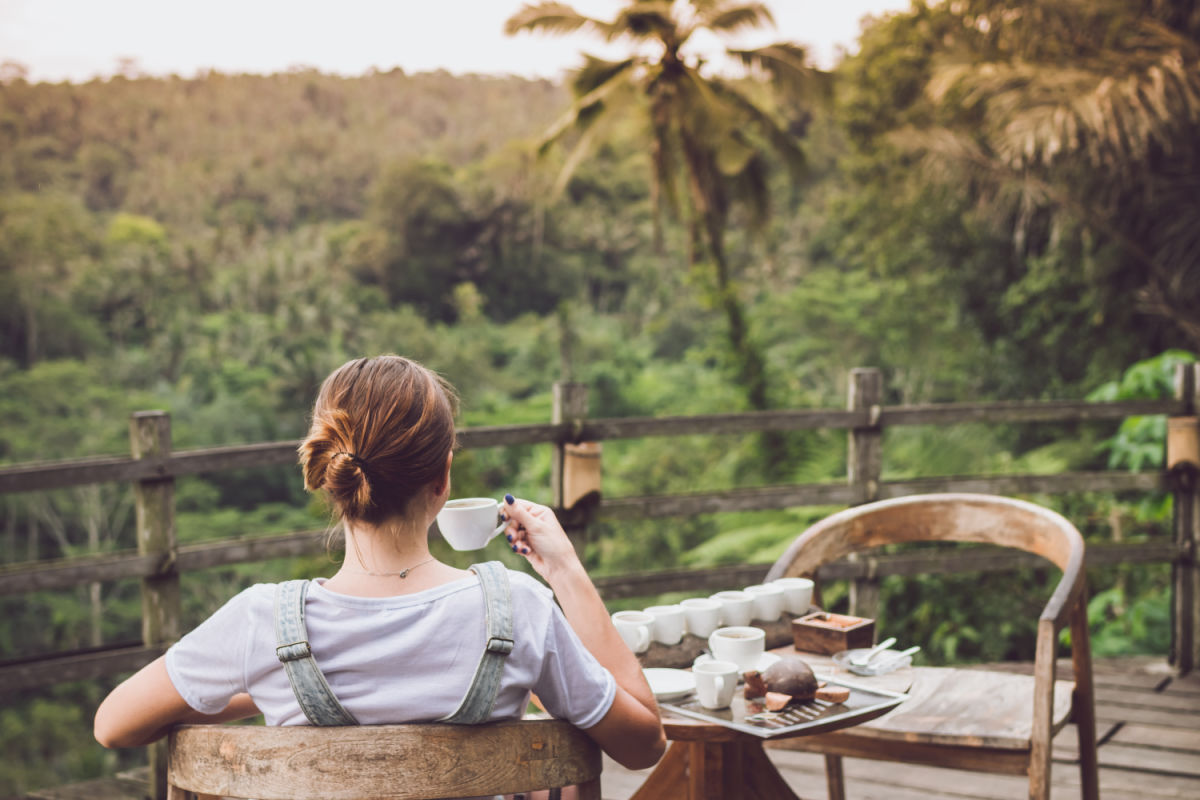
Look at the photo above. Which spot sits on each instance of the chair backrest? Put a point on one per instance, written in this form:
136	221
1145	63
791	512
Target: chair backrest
371	761
985	519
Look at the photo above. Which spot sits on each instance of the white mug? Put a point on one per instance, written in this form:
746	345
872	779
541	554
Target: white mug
703	615
634	627
740	644
768	601
668	623
737	608
467	524
715	682
797	594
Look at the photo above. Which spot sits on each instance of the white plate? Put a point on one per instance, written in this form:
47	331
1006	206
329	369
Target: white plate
881	664
764	661
669	684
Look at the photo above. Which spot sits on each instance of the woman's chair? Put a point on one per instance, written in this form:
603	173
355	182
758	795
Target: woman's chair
966	719
380	761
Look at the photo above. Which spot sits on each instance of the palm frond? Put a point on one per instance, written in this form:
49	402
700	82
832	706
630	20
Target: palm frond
724	18
551	17
596	72
649	19
773	130
787	66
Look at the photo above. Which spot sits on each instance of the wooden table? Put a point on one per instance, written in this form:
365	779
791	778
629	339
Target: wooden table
706	761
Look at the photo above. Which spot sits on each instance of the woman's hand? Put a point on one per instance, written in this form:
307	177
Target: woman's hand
534	532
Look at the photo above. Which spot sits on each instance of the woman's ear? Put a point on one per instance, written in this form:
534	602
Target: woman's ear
442	489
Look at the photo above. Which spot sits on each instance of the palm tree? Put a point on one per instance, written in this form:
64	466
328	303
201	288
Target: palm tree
1087	111
708	137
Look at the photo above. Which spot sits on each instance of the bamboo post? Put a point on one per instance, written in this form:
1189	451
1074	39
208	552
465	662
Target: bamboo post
864	466
154	498
1183	471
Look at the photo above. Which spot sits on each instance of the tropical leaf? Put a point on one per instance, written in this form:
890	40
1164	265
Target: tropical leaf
551	17
733	18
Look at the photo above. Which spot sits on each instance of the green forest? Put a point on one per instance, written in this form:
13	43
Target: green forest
987	201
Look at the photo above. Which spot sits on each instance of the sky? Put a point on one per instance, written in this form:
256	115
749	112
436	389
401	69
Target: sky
77	40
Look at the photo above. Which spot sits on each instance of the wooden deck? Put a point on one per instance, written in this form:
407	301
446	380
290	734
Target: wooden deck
1148	722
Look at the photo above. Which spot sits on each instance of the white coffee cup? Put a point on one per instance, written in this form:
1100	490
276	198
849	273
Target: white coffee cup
668	624
715	682
737	608
797	594
768	601
703	615
635	629
470	522
740	644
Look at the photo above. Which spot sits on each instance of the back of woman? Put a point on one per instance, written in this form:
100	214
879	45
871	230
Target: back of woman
395	635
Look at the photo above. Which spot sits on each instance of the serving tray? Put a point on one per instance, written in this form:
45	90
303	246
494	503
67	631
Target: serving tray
814	716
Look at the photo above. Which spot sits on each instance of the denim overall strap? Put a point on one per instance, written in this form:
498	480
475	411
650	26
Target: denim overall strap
477	704
291	638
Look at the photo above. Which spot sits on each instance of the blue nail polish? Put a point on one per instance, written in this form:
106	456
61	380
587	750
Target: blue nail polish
514	548
508	498
509	537
525	550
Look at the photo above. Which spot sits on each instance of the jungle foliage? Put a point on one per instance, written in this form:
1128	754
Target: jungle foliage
998	203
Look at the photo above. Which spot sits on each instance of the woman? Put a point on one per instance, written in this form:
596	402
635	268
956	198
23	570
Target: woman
396	633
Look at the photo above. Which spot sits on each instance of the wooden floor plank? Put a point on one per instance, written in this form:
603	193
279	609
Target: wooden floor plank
1166	738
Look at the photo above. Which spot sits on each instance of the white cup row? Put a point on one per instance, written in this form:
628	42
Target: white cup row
703	615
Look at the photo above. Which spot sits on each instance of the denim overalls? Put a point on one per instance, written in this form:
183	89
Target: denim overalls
317	699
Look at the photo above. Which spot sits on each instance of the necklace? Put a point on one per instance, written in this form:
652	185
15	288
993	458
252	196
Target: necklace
401	574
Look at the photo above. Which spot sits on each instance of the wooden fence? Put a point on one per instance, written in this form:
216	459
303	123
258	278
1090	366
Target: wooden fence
159	560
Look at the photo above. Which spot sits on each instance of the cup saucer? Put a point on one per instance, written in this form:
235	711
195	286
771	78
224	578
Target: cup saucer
765	660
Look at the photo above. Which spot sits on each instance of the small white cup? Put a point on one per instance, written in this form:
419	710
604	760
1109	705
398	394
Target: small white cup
634	627
740	644
797	594
468	523
768	601
715	682
668	623
703	615
737	608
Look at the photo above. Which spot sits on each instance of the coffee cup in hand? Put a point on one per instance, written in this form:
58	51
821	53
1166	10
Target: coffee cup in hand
469	523
715	682
740	644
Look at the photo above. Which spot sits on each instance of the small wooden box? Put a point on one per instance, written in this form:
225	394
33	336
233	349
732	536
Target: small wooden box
822	632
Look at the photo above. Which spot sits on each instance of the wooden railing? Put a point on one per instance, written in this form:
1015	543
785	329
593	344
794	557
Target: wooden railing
159	559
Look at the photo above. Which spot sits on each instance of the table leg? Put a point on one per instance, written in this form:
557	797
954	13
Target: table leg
736	770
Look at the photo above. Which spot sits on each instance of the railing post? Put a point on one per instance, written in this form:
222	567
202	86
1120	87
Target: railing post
154	497
864	466
575	469
1183	471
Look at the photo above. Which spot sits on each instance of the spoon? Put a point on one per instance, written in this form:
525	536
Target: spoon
897	657
865	658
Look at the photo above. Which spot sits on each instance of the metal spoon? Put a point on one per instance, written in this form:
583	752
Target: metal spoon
865	658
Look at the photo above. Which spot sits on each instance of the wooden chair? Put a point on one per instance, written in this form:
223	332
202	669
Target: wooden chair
380	761
968	719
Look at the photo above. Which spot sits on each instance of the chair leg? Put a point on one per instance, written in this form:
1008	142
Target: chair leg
1083	702
834	781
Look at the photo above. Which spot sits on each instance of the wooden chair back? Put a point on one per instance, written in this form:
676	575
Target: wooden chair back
983	519
373	761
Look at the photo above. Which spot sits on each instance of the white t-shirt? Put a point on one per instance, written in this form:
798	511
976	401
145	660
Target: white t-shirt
408	658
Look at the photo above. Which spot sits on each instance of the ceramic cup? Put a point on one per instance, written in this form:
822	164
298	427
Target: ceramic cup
634	627
740	644
715	682
768	601
469	523
797	594
703	615
668	624
737	608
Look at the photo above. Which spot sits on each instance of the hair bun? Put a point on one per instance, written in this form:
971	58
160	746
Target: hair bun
348	481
